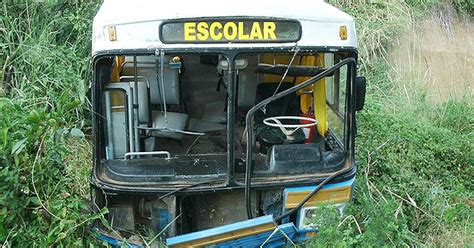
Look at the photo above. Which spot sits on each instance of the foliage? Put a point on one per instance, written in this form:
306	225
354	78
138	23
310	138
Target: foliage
415	160
44	156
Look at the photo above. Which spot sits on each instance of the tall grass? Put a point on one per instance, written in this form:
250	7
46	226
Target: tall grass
414	155
44	156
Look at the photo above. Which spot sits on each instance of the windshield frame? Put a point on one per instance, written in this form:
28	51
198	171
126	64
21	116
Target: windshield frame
231	54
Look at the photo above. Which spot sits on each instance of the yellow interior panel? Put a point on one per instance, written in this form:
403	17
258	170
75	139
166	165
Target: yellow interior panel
117	98
319	97
283	59
305	99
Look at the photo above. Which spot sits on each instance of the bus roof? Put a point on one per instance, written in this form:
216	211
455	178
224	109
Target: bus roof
136	23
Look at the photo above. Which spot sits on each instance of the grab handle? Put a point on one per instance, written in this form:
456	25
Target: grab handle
128	154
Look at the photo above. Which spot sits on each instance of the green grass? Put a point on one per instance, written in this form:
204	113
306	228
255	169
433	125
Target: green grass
44	189
415	160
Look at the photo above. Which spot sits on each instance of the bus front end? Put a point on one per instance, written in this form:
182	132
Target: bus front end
224	127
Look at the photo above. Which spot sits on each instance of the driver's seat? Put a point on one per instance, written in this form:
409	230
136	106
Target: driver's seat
286	106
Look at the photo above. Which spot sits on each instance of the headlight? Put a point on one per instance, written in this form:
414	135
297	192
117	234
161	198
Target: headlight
310	217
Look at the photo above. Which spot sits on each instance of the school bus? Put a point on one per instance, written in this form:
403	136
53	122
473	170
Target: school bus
222	124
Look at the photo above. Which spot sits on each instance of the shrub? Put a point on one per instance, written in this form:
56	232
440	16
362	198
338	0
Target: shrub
44	155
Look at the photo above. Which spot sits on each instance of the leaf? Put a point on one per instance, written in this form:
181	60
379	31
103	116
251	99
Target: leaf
19	145
3	231
34	116
61	236
4	136
34	200
411	200
99	214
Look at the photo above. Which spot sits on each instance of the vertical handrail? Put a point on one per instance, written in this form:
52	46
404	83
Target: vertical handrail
136	106
231	103
162	83
108	114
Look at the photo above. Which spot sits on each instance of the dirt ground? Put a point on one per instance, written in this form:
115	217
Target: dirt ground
437	55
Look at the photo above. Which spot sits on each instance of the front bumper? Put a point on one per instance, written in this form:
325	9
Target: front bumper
261	230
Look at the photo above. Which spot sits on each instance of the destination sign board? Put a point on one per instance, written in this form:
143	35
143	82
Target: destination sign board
230	31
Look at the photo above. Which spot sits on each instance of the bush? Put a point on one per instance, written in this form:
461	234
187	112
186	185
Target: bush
415	161
44	154
414	182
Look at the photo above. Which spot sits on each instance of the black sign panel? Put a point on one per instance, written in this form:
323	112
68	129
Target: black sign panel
230	31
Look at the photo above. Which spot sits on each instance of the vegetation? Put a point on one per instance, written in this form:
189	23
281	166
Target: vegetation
44	155
415	158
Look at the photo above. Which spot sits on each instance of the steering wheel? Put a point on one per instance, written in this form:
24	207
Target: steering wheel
289	129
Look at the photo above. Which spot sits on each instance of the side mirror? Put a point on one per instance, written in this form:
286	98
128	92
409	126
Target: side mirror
360	84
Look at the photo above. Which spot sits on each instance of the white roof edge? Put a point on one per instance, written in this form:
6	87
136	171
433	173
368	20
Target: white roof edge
148	10
145	15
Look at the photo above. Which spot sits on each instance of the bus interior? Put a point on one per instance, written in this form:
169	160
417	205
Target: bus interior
165	118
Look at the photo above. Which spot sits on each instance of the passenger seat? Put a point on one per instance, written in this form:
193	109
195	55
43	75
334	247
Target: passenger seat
147	68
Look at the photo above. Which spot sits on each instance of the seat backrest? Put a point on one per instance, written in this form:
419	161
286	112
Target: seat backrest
287	105
146	67
247	86
247	83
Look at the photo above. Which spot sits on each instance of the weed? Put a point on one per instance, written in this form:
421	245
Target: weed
414	157
45	164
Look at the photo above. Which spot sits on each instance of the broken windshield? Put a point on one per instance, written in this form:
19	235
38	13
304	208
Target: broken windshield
168	117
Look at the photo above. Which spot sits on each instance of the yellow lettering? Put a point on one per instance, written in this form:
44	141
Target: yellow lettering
216	26
203	32
242	35
256	32
227	33
269	30
189	31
